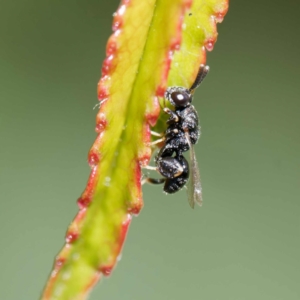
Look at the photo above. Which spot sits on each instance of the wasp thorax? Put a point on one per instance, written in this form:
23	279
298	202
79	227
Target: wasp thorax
181	98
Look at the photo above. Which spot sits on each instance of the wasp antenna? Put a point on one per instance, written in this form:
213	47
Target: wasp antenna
203	70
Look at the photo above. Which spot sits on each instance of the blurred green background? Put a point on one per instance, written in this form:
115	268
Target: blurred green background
242	244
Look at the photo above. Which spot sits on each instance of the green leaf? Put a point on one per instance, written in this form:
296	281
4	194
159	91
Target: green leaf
147	35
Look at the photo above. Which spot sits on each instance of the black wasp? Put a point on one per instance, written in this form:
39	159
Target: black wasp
182	133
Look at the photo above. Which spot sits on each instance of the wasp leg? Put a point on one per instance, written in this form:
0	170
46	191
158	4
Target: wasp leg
174	118
154	180
171	133
156	133
157	141
150	168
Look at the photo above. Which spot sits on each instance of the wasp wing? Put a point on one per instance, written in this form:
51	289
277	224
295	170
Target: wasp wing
194	187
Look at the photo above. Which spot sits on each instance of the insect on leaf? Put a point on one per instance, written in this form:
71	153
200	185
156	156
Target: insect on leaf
147	35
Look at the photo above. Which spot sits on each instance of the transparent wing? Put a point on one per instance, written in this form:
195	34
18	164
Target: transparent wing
194	187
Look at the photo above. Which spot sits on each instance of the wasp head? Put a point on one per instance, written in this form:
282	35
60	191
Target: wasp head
178	96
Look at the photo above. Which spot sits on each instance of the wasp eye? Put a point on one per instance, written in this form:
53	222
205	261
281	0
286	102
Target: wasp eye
181	98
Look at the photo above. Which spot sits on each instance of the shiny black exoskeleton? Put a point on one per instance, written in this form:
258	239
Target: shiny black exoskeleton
183	131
